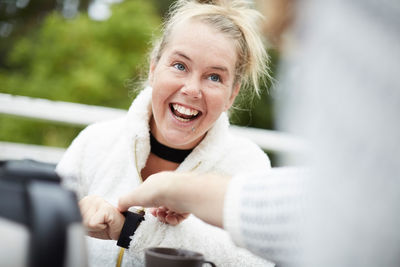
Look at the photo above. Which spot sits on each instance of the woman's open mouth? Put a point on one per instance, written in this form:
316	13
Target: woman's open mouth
184	114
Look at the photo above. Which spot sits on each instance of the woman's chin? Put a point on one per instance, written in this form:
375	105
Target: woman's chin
182	141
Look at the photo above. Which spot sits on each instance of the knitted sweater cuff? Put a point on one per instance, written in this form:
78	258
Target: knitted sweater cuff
231	219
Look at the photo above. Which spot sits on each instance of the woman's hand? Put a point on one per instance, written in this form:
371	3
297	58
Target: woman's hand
168	216
101	219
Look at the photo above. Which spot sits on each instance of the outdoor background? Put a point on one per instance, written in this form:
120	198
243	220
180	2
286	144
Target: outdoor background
90	52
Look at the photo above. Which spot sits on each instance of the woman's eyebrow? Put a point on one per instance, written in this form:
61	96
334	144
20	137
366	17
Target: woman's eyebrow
181	54
219	68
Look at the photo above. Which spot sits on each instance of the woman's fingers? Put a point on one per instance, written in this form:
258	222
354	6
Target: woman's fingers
161	214
88	207
87	216
172	219
153	211
165	215
101	219
98	221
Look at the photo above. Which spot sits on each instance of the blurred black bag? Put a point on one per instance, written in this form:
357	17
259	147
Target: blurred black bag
40	222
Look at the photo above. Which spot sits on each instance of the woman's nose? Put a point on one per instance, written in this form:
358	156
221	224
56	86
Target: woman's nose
192	88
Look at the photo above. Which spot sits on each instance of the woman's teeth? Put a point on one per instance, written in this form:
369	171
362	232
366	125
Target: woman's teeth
182	119
185	111
184	114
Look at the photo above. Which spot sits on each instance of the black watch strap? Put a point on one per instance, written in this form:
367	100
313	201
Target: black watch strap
132	222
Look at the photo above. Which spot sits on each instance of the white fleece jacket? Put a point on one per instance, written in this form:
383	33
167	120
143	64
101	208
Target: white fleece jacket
106	159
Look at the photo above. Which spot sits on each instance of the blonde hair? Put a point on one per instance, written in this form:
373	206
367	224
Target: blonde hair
234	18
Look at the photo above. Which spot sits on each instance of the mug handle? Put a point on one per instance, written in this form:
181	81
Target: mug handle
210	262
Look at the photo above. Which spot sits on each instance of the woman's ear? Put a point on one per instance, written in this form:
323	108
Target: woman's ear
151	71
235	92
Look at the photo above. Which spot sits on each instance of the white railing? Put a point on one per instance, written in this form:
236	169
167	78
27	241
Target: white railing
82	115
56	111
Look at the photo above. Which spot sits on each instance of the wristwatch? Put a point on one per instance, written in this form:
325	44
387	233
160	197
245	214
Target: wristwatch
132	222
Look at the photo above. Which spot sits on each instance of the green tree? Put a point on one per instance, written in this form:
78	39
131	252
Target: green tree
258	112
77	60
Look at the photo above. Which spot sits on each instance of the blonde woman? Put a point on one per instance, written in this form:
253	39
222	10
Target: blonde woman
209	51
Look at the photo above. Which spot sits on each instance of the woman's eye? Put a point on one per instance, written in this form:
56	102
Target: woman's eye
179	66
215	78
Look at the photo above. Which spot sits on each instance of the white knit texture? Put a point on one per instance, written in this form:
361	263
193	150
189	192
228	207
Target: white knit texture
342	94
268	212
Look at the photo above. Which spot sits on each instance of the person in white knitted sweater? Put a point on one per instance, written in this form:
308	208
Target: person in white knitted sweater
207	54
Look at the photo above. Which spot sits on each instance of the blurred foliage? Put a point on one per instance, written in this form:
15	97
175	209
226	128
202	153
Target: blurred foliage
163	6
86	61
256	111
77	60
82	60
19	17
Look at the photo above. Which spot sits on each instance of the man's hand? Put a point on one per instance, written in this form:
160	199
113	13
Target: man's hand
175	195
101	219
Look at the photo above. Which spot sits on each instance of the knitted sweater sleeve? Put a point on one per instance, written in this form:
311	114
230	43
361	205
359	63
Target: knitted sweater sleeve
262	212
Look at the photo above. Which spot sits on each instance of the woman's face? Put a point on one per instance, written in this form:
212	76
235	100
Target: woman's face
193	83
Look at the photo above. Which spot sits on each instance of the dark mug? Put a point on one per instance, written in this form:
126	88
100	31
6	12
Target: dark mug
174	257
